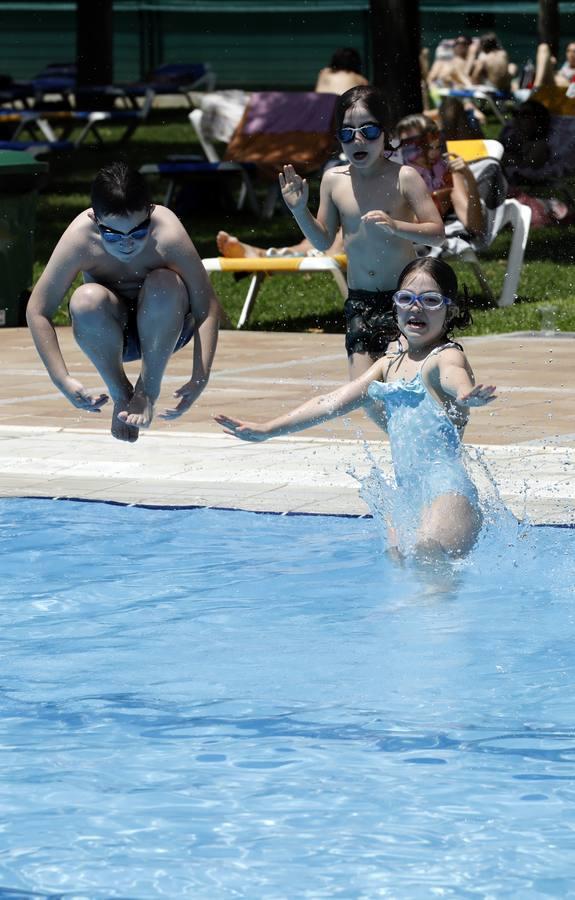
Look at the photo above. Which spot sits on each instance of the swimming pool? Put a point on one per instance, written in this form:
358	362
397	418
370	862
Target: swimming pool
200	703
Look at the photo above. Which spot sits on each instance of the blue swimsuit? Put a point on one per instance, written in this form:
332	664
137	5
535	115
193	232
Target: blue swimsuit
425	445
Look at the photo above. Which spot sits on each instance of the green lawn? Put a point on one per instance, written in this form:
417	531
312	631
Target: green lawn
301	303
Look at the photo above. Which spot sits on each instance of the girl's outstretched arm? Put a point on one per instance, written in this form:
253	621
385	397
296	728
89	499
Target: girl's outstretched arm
312	412
456	379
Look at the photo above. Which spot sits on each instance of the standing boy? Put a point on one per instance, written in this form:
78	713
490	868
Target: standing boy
384	209
145	295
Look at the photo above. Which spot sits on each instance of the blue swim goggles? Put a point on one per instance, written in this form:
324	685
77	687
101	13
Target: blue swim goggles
428	300
370	132
112	236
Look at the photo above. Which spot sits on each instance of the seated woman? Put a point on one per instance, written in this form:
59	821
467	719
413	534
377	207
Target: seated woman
488	64
448	176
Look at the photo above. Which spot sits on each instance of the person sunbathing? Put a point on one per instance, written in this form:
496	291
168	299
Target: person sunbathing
343	73
452	72
231	246
488	64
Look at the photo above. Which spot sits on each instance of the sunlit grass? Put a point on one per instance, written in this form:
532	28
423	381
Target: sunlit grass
302	302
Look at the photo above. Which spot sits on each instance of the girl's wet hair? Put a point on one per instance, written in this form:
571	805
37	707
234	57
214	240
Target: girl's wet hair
372	99
459	315
118	190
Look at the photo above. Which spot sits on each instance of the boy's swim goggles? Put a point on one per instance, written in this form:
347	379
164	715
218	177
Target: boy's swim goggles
370	132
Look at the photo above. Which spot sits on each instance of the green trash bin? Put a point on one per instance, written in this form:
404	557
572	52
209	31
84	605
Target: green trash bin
20	177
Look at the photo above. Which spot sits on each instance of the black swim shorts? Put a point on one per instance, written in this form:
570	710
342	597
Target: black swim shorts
370	322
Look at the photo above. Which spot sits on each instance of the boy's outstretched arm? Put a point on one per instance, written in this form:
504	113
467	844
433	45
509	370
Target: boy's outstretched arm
320	231
312	412
206	310
428	229
55	281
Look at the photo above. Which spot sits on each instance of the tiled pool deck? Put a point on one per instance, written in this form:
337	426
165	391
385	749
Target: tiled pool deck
48	449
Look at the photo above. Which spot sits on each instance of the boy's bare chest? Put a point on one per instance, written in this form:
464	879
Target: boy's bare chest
354	200
105	269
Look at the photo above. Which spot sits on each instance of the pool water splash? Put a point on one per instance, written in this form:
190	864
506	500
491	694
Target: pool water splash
389	503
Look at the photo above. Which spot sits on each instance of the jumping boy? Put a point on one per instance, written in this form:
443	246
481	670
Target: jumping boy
145	295
383	209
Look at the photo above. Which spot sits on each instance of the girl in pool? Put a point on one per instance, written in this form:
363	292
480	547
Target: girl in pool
420	393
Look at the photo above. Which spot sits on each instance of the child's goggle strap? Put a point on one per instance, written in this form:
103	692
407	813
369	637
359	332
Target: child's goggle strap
370	132
138	233
428	300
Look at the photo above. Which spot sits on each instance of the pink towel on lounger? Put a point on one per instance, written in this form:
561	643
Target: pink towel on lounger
285	127
278	112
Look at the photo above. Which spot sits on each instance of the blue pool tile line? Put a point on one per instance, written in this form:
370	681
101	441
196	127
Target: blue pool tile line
255	512
174	506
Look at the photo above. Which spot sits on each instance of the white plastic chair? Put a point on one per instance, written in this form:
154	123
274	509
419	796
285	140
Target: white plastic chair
510	212
518	216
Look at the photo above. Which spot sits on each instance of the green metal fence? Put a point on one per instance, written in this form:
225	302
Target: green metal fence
250	43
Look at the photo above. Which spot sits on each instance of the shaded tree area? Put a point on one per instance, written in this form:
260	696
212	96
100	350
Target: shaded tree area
94	50
395	46
548	24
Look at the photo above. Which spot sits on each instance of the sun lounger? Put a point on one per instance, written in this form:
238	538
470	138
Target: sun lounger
27	121
273	128
215	121
284	127
177	170
172	79
60	124
495	100
38	148
262	267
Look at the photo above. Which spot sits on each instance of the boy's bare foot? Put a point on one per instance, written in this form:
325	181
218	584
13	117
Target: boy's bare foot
140	411
230	246
120	429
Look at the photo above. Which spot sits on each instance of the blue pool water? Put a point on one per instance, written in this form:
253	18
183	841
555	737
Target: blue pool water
214	704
